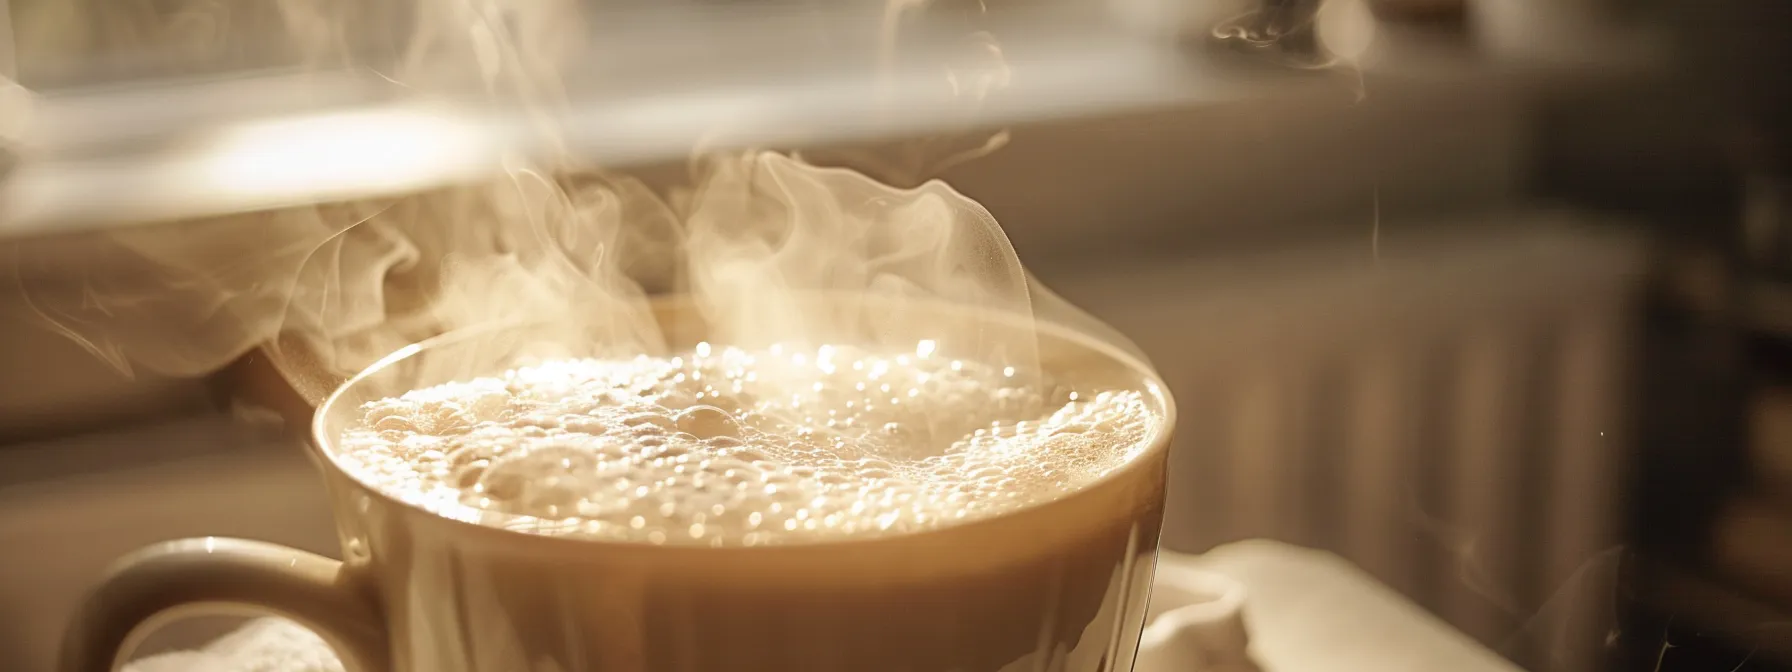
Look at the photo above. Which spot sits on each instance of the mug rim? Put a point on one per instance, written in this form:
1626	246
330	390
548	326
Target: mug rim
490	523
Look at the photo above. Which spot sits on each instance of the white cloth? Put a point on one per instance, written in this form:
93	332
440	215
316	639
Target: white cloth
263	645
1312	610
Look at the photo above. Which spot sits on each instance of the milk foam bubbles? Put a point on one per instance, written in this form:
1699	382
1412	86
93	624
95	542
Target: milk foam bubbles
728	447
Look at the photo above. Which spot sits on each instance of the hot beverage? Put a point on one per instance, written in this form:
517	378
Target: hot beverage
723	447
824	508
821	508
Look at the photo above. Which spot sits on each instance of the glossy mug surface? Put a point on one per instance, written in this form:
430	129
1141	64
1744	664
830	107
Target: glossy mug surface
1057	586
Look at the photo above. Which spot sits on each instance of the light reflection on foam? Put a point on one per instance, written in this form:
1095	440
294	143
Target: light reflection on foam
723	446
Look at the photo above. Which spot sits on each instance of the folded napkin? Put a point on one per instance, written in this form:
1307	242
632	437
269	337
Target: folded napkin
263	645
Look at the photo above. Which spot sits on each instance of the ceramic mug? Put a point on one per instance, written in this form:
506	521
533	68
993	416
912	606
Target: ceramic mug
1059	586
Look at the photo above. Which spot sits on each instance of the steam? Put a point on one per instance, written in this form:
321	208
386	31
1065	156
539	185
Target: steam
569	251
766	231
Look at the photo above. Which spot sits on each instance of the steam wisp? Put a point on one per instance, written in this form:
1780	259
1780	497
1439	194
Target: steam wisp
558	245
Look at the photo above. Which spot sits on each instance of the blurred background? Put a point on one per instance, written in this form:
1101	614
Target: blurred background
1492	298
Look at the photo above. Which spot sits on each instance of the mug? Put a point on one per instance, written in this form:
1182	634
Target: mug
1058	586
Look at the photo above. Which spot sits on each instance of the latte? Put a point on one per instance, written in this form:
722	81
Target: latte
819	508
725	447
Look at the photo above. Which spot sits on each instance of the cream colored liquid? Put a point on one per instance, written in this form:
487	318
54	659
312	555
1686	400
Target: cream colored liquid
776	510
724	447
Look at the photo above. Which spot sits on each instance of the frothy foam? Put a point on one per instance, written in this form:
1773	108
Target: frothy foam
726	447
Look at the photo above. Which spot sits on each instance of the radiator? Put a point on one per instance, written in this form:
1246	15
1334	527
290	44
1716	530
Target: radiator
1443	409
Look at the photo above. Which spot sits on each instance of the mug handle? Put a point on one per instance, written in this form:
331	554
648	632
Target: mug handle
155	583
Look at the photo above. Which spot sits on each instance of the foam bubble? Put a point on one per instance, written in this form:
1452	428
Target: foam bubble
722	446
